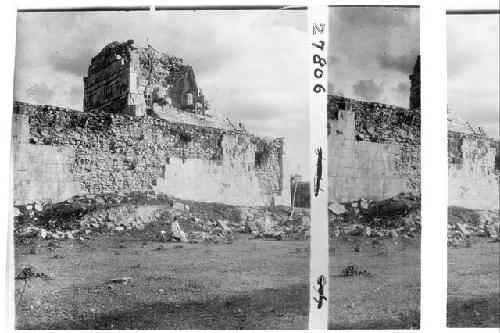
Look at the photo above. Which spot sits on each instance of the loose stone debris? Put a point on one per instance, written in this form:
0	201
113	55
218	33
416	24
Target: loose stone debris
464	223
80	217
395	217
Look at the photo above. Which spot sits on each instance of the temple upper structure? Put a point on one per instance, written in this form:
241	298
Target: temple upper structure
129	79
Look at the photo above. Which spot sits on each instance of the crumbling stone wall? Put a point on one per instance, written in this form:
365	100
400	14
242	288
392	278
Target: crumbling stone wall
473	168
101	153
216	178
374	150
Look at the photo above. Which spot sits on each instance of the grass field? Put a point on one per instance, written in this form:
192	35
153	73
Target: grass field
248	284
473	284
388	298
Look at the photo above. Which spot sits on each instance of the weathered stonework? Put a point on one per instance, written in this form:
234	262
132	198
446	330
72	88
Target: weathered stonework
129	79
61	152
473	166
146	126
374	150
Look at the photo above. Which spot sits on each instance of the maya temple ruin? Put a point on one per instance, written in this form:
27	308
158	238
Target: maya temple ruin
374	153
146	126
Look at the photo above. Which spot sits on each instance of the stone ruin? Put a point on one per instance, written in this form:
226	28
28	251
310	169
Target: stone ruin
473	182
374	169
374	165
146	126
146	148
473	166
373	150
129	79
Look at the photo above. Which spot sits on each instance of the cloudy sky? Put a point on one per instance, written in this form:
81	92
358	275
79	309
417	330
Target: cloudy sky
372	52
473	67
250	64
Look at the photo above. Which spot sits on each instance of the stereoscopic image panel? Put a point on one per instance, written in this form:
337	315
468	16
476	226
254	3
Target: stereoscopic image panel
158	170
374	167
473	170
172	169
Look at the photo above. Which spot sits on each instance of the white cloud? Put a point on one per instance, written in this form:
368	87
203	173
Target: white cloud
376	45
473	67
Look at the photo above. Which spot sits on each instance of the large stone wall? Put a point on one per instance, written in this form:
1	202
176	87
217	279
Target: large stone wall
60	152
473	167
373	150
40	172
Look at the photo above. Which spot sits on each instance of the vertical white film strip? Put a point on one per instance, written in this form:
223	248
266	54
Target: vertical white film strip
434	161
318	83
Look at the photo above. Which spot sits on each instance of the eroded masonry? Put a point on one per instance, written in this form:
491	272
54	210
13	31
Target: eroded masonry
473	166
146	126
374	150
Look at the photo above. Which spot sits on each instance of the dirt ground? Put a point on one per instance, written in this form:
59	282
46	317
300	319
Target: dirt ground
473	284
387	298
246	284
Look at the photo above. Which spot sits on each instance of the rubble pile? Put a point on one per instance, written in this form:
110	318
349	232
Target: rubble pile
278	223
464	223
398	216
159	67
80	216
209	222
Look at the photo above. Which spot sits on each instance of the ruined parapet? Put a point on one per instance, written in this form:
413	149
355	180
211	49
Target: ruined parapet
374	149
473	166
129	79
378	122
341	119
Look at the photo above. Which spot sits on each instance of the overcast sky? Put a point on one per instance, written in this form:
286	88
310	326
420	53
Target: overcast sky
473	69
251	65
372	52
